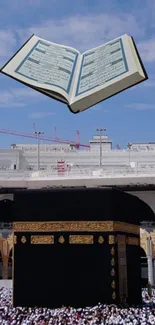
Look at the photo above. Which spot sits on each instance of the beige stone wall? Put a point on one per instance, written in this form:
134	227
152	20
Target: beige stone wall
5	248
143	240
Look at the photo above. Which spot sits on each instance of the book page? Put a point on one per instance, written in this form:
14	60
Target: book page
57	96
103	66
45	65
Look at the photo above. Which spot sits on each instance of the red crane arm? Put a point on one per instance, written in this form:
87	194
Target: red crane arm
34	136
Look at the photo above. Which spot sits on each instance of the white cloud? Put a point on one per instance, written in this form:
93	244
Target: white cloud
18	97
99	108
140	106
150	84
85	31
7	41
96	108
81	31
147	49
40	115
19	6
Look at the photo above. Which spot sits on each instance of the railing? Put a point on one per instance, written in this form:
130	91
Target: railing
77	173
5	225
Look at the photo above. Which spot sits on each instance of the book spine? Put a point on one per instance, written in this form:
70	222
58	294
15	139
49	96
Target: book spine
140	60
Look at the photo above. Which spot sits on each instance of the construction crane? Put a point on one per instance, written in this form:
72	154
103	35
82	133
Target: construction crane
75	144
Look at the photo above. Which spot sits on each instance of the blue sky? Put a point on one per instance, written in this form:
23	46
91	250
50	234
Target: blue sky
128	117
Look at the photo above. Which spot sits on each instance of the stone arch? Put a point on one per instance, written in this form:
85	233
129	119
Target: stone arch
140	206
10	242
6	196
147	234
6	244
147	197
4	251
142	252
10	255
1	258
6	204
6	248
143	241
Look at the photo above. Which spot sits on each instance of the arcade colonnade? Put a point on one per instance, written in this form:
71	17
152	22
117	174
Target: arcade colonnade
147	239
6	245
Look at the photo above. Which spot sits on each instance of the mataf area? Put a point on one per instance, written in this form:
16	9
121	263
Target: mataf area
56	231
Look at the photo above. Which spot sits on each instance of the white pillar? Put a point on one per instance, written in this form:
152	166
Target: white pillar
149	260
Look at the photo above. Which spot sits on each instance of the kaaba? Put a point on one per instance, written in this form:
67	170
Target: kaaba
76	247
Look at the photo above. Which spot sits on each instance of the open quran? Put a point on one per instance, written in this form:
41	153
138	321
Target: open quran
79	80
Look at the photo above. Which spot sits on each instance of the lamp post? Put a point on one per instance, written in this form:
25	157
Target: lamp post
100	130
38	148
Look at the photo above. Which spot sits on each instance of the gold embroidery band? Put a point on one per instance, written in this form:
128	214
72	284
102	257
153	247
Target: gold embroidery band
61	239
23	239
42	239
79	239
113	285
100	240
132	241
87	226
14	240
112	240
